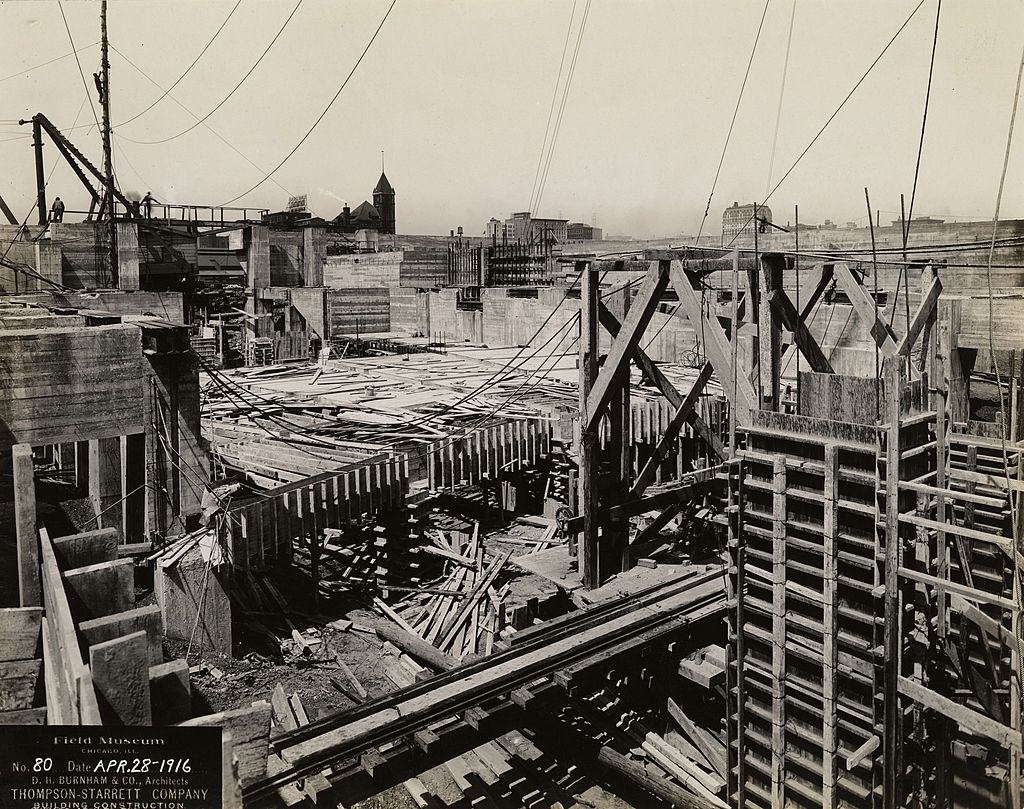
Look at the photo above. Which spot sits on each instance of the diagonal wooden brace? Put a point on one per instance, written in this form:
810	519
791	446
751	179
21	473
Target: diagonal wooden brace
867	310
646	476
626	341
716	346
664	384
786	312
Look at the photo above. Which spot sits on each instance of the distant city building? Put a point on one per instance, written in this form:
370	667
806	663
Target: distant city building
582	232
494	229
738	221
384	202
919	220
378	216
525	228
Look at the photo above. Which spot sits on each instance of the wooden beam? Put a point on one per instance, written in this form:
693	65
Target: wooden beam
25	526
779	640
830	622
694	482
664	385
890	532
120	670
920	320
786	312
867	310
589	450
87	548
626	341
647	474
716	346
970	593
966	718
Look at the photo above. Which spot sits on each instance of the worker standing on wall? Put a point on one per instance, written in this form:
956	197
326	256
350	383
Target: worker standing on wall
147	204
57	210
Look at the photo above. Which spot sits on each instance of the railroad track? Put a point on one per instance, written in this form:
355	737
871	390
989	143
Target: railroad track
562	642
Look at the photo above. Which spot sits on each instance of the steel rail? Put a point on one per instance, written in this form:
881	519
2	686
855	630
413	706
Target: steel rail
404	725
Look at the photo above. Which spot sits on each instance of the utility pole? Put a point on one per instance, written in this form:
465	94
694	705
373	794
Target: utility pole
108	165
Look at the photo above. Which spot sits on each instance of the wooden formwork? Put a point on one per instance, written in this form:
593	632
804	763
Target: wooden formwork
266	529
486	452
810	660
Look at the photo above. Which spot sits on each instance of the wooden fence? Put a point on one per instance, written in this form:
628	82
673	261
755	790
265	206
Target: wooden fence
266	529
486	452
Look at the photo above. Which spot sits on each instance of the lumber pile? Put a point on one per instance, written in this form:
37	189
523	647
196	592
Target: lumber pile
461	613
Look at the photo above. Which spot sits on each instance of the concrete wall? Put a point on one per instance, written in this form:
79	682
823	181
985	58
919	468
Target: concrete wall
310	302
362	270
166	305
410	311
358	311
286	258
69	384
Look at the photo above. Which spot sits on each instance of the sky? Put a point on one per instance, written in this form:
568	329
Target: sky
457	94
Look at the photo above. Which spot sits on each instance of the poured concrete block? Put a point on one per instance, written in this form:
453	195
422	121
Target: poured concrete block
179	591
170	692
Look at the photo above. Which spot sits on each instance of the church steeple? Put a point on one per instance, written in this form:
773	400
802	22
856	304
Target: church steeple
384	200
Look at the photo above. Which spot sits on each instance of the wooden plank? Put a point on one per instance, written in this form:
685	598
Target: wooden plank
889	534
682	413
589	449
636	321
708	746
924	312
830	622
29	586
664	385
968	719
170	692
970	593
716	346
140	619
779	577
20	633
250	732
120	670
808	346
1005	544
865	307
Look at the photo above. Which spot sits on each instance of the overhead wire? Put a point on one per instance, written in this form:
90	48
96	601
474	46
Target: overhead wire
905	224
832	117
49	62
782	93
309	131
206	126
551	108
561	108
187	69
1014	515
234	89
721	157
78	62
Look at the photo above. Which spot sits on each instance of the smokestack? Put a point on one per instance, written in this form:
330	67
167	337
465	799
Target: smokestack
346	216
